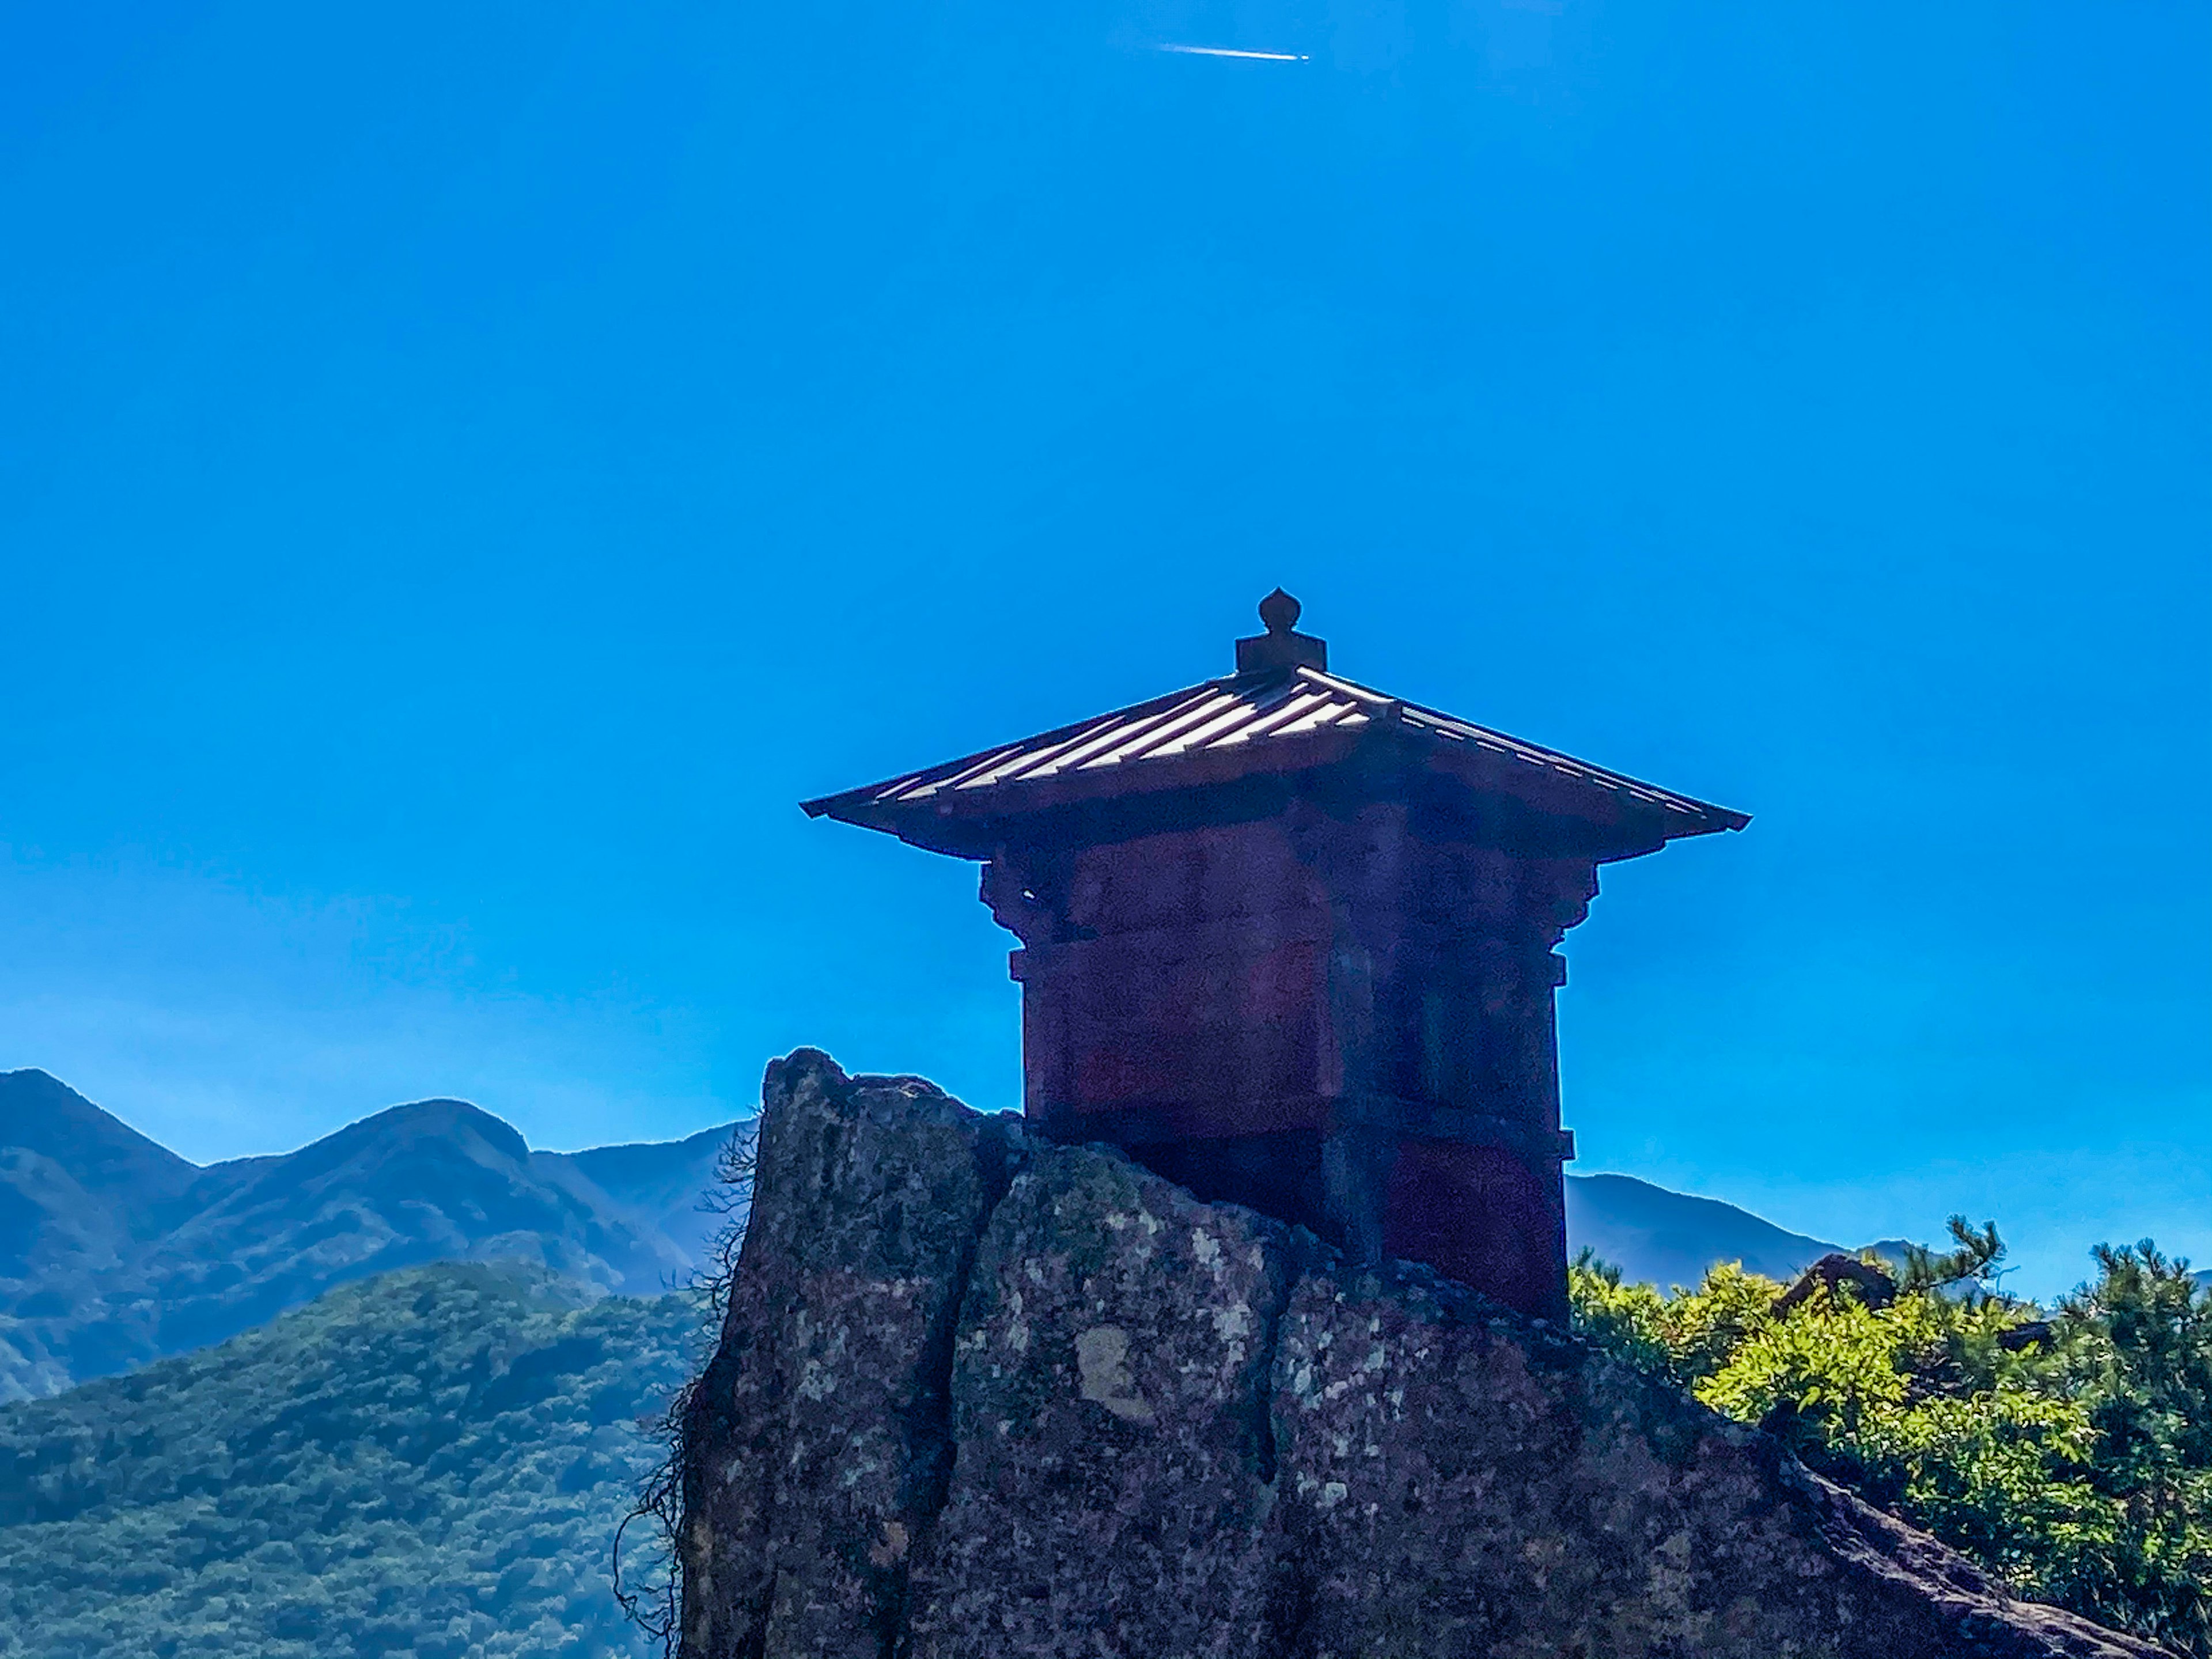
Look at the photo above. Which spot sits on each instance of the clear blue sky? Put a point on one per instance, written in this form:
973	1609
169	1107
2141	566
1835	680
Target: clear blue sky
465	472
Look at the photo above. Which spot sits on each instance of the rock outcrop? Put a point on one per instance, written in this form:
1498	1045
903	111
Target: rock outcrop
979	1395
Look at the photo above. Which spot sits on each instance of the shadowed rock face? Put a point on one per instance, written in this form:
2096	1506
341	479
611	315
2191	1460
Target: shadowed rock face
978	1395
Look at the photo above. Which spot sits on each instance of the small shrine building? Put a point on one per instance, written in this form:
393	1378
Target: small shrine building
1289	941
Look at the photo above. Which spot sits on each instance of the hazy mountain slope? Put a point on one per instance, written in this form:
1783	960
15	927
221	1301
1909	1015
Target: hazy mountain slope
660	1180
77	1186
119	1252
1666	1238
41	1114
432	1462
436	1181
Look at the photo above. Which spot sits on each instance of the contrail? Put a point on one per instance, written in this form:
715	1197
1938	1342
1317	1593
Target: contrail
1227	52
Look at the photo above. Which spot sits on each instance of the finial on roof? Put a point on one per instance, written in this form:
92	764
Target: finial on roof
1281	649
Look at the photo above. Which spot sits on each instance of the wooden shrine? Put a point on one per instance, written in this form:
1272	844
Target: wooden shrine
1290	942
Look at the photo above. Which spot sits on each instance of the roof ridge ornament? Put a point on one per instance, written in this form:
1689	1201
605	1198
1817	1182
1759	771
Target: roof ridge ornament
1281	649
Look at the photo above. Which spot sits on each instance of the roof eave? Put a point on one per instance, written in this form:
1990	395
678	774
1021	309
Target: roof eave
1625	812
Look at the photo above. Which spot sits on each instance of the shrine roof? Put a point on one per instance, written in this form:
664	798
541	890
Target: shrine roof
1283	713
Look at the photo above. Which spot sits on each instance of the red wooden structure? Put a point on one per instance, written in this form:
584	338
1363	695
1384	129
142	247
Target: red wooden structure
1289	941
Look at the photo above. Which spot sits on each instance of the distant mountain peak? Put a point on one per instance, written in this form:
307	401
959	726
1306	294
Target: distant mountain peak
1663	1238
114	1250
98	1150
442	1117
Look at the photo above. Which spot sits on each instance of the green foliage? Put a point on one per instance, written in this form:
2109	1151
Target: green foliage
2136	1346
432	1463
2072	1454
1624	1320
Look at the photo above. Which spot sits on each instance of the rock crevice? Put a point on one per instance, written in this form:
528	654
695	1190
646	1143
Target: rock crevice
980	1394
1265	1433
932	1448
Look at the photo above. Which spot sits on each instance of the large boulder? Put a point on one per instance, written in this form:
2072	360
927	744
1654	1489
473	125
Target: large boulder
1115	1461
820	1435
977	1396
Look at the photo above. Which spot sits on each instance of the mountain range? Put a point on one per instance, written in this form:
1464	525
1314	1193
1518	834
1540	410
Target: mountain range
114	1251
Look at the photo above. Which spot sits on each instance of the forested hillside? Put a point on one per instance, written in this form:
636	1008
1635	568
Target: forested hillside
432	1462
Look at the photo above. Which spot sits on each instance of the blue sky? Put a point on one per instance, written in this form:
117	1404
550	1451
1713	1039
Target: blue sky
466	473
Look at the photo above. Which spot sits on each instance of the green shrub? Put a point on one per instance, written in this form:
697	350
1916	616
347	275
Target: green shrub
2070	1453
